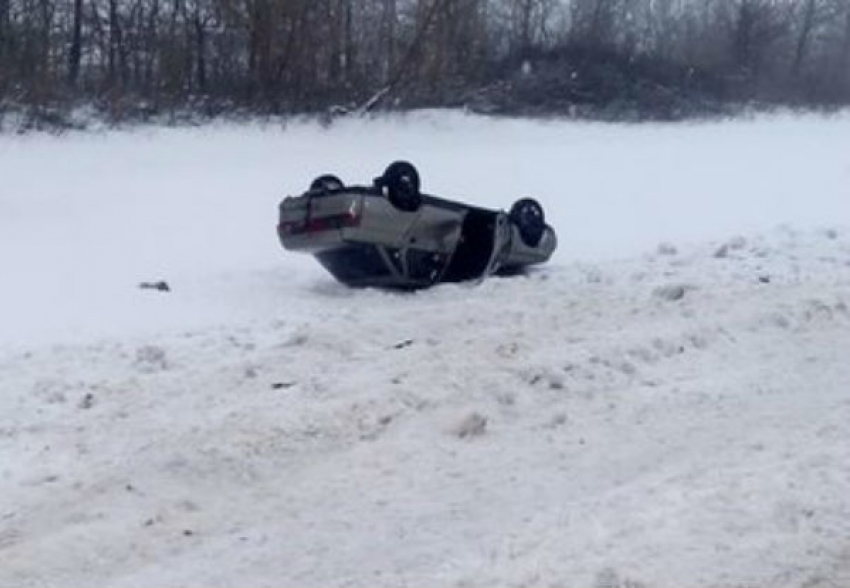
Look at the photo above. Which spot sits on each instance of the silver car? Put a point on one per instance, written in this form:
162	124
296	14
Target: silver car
390	234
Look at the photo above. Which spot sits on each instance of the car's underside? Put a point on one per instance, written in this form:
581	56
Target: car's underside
369	264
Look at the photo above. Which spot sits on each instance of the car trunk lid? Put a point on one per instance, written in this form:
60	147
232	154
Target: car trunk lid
313	215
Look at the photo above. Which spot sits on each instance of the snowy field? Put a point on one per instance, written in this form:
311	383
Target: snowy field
665	405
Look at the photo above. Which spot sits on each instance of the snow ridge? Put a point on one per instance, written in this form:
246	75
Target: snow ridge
675	419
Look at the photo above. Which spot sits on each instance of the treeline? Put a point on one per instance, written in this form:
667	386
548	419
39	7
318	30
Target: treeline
131	57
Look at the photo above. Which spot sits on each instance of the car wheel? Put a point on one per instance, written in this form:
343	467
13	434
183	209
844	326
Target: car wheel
401	181
527	215
326	183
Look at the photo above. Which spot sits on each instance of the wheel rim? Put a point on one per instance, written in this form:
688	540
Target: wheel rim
528	215
402	184
326	183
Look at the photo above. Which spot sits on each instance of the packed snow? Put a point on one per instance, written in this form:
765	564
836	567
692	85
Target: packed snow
664	405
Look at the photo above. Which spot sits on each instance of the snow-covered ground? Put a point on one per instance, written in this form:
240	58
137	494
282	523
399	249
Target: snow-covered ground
631	415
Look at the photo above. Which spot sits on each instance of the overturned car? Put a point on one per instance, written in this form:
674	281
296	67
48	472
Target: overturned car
390	234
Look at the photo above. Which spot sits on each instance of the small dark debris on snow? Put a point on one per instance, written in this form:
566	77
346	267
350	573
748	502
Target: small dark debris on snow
671	293
733	244
160	286
150	358
557	420
403	344
188	532
722	252
473	425
556	383
283	385
607	578
148	523
506	398
86	402
764	279
667	249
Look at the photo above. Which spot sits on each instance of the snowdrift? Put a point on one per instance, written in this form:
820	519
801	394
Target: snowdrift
633	415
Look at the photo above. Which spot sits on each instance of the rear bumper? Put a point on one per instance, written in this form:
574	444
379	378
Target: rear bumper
314	238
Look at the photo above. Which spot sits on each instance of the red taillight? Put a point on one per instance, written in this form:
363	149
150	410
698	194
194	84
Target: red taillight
350	218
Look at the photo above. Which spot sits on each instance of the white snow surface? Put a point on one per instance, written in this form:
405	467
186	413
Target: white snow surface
665	404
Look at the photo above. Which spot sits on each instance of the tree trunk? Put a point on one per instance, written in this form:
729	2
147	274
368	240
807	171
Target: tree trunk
348	60
6	63
803	38
200	47
743	36
112	42
523	14
845	54
390	18
43	88
151	72
4	26
75	52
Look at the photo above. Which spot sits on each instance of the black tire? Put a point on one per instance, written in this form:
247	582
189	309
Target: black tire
527	215
401	182
326	183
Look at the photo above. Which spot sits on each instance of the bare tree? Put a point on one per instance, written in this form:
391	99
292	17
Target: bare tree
809	22
295	55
